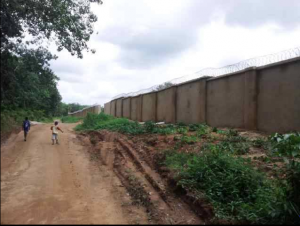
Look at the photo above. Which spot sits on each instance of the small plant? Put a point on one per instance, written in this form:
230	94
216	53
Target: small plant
222	132
182	130
189	139
286	144
193	127
202	131
181	124
260	143
236	190
232	132
149	126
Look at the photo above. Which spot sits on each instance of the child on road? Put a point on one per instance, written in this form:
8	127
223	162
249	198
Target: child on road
55	129
26	127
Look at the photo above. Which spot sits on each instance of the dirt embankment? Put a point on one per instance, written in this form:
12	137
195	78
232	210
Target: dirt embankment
148	183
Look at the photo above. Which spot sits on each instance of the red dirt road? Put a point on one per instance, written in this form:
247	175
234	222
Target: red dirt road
43	183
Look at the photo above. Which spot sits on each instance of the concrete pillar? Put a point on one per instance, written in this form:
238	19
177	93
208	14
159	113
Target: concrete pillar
130	108
155	108
122	107
174	118
202	102
250	99
139	108
113	108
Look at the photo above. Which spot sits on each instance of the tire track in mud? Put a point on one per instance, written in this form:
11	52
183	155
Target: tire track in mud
143	183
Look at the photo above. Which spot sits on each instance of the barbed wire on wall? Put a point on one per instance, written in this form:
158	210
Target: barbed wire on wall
213	72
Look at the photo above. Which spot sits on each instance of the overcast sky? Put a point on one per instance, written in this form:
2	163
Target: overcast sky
141	43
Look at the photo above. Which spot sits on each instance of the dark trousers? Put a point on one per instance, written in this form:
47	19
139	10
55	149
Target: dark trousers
25	133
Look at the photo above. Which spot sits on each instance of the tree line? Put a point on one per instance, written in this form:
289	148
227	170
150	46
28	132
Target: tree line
27	81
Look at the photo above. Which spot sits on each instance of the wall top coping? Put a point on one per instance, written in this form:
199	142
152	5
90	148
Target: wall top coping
279	63
256	68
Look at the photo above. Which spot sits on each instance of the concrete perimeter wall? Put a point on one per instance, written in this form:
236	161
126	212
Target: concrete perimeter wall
126	107
166	101
149	107
279	98
136	108
259	98
113	108
190	102
225	101
119	107
82	113
107	108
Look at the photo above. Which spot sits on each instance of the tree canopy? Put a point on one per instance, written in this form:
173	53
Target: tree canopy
164	86
27	82
67	22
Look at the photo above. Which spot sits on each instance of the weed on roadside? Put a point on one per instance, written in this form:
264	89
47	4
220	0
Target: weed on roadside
236	190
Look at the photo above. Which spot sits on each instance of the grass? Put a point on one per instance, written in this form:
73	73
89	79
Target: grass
123	125
70	119
237	191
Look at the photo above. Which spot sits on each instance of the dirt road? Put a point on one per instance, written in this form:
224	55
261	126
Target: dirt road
43	183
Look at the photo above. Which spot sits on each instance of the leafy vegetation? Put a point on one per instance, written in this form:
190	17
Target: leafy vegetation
288	147
70	119
123	125
286	144
237	191
27	82
68	23
164	86
103	121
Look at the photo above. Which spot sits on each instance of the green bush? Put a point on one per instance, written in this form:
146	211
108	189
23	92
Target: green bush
149	126
188	139
182	130
288	147
236	190
103	121
261	143
203	130
286	144
70	119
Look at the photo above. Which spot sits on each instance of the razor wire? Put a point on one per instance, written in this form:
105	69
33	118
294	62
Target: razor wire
214	72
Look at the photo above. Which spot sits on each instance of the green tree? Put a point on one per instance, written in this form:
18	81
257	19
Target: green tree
27	81
164	86
67	22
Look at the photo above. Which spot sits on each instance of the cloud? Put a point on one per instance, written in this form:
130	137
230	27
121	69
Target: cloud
152	47
141	43
147	37
253	13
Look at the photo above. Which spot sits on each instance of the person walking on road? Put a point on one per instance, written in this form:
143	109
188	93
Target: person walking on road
55	129
26	127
